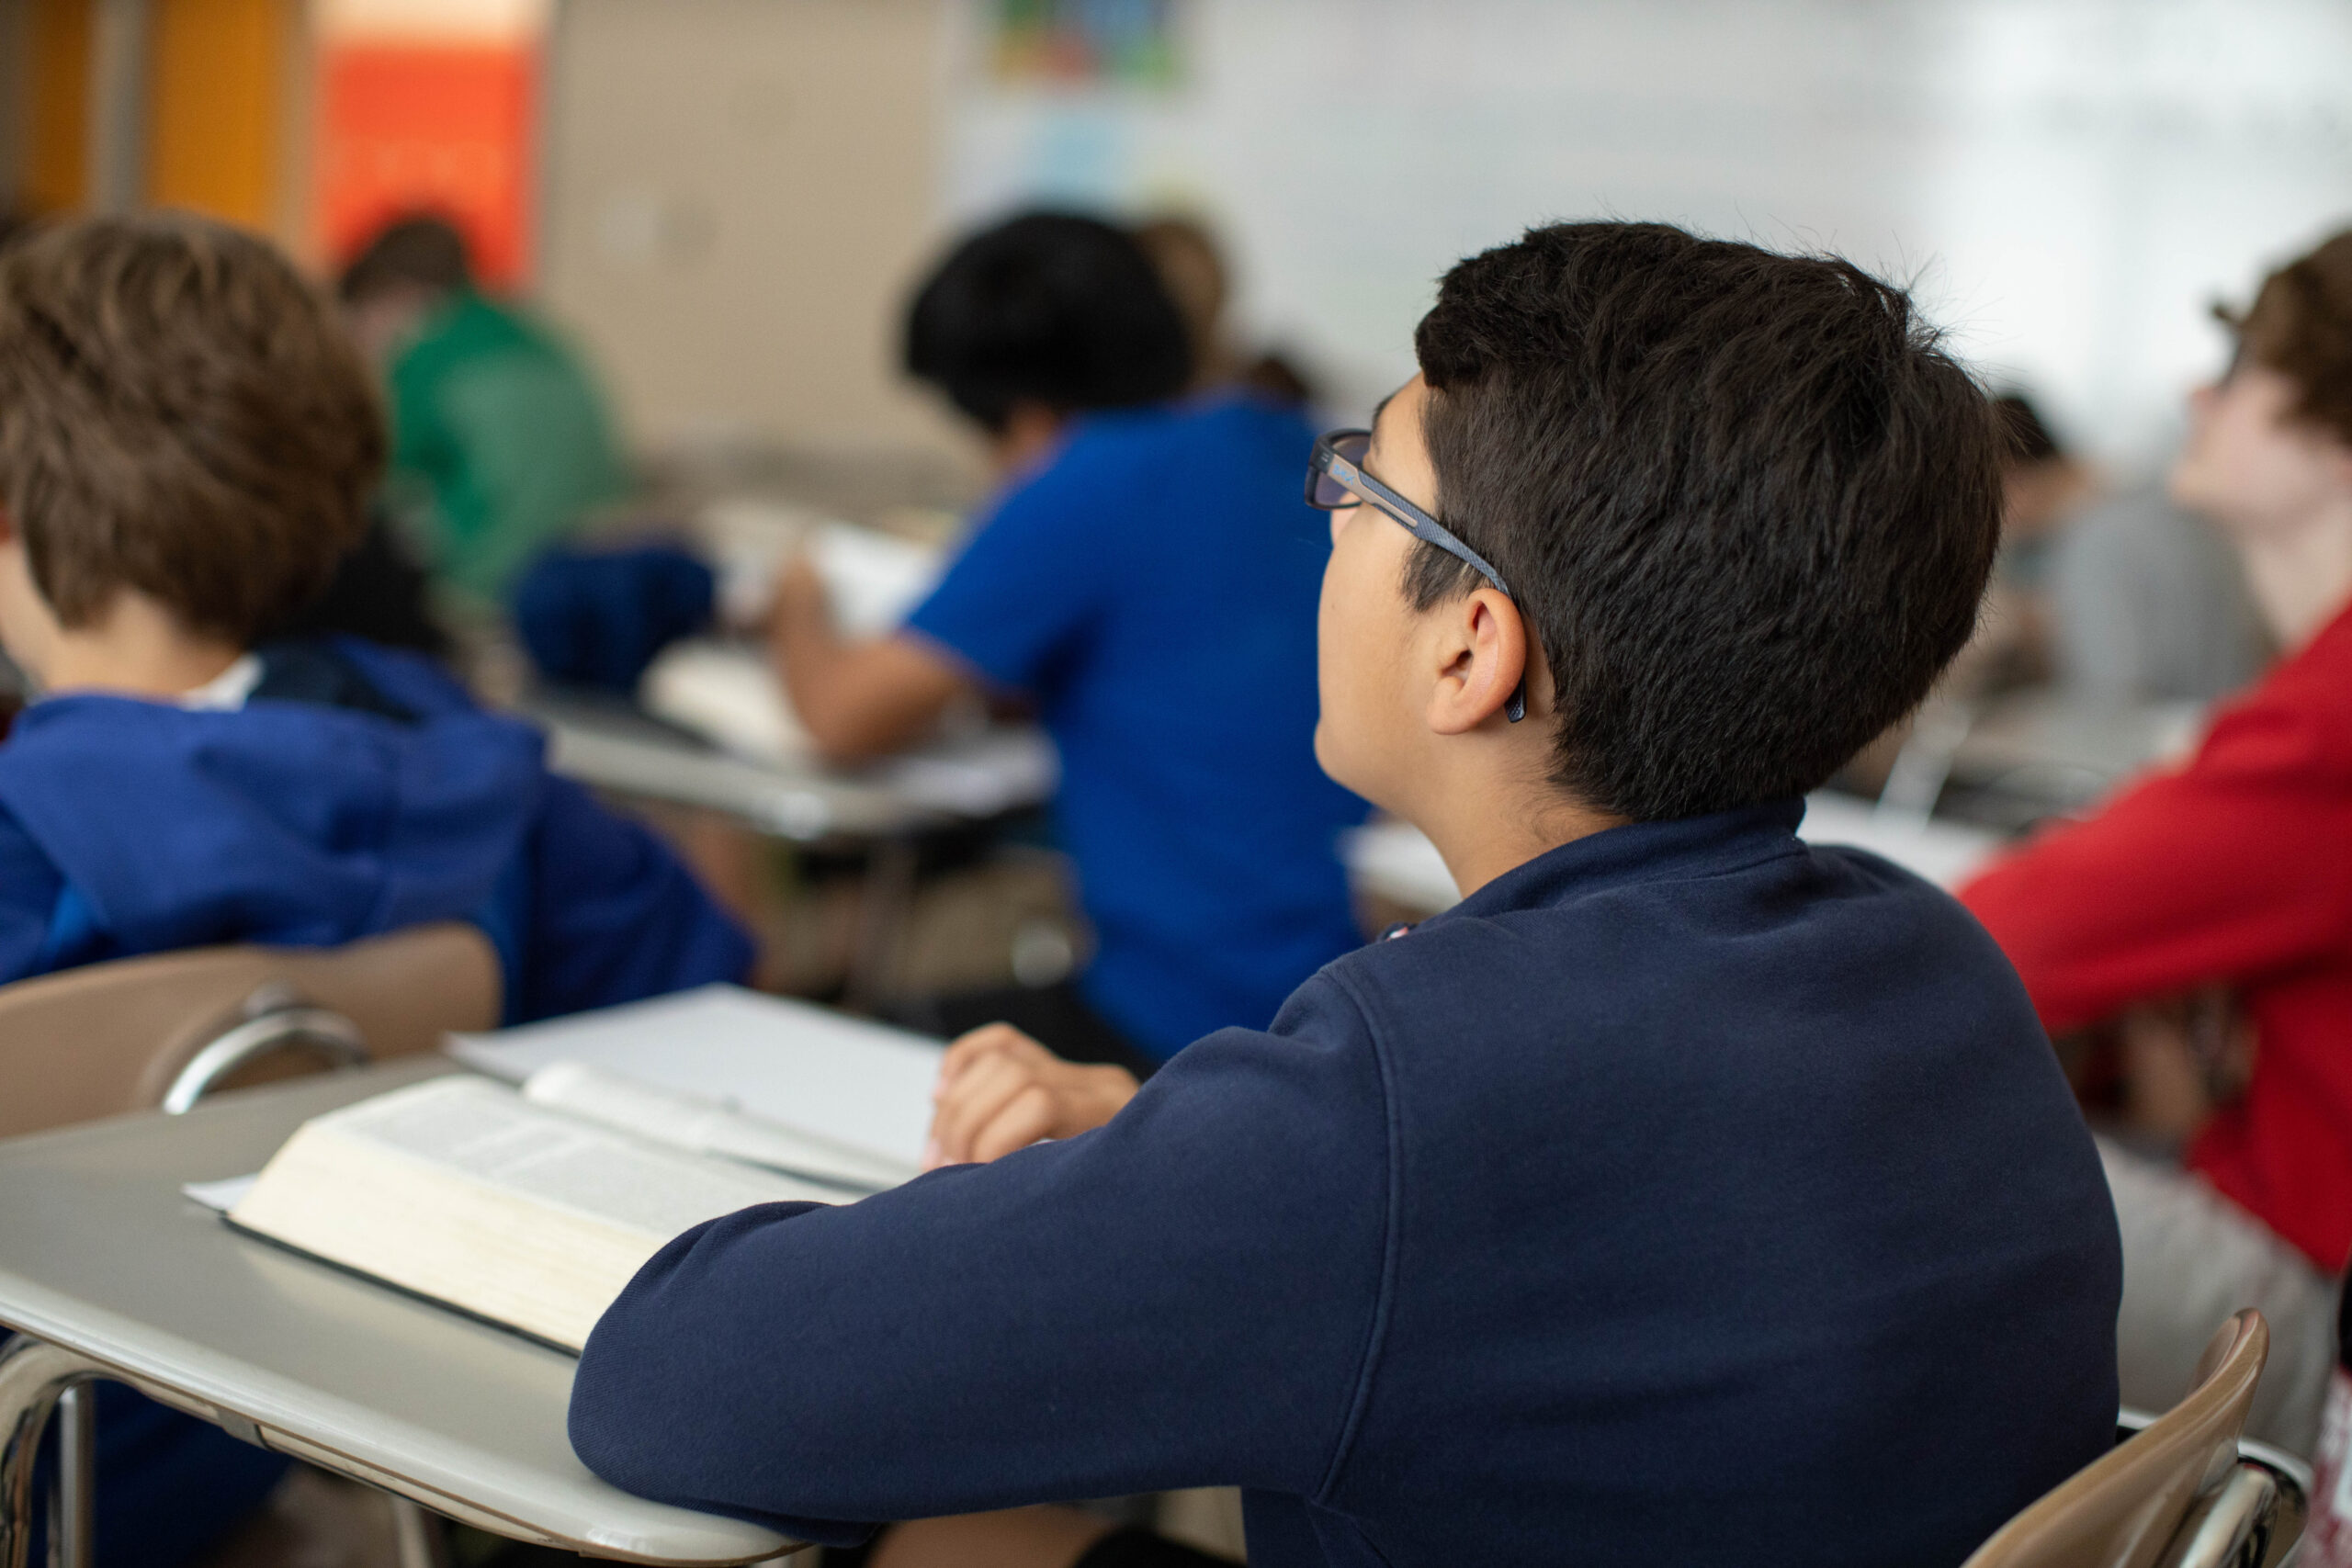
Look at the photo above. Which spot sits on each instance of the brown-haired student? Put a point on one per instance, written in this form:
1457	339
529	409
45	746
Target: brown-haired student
1688	1194
2233	873
187	442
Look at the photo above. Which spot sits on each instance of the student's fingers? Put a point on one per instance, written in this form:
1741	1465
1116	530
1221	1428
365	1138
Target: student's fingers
974	1044
980	1093
1026	1117
989	1039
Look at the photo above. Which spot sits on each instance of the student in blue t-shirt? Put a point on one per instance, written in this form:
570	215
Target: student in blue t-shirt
1146	578
1688	1194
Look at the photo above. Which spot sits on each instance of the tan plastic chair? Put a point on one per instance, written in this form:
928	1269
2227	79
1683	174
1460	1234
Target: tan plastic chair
162	1031
140	1033
2180	1493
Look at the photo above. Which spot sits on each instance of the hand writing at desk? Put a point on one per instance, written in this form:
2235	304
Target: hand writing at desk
999	1090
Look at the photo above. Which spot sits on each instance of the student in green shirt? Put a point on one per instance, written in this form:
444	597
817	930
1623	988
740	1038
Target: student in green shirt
500	440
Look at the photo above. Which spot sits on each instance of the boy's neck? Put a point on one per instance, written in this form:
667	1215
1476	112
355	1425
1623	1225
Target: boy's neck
2302	577
1482	834
137	649
1030	431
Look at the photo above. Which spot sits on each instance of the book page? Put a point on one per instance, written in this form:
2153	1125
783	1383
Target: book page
486	1131
853	1083
459	1191
707	1126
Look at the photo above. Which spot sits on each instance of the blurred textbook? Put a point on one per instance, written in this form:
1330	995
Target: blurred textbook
530	1202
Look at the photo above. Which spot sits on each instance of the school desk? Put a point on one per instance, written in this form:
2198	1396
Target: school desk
107	1269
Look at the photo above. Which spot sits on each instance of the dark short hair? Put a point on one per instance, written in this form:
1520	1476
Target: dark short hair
2030	441
1746	501
180	414
1048	307
420	251
2300	325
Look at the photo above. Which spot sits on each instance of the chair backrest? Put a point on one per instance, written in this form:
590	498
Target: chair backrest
2125	1509
113	1037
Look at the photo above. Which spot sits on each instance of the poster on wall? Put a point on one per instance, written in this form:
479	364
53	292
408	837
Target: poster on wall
430	106
1085	43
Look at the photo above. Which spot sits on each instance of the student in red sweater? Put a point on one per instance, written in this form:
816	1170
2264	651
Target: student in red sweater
2235	871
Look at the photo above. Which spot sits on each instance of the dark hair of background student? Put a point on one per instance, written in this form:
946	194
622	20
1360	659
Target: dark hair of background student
1049	309
1746	501
420	252
180	414
2300	325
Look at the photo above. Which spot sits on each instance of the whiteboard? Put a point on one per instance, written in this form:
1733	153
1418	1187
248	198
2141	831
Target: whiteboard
2070	183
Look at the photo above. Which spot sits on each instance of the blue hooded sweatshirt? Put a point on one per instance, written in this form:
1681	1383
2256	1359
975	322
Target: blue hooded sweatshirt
347	791
1687	1195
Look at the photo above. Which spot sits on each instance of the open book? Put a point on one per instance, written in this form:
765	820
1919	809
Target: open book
531	1202
466	1192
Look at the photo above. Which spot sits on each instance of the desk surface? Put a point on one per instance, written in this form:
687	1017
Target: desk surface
607	743
101	1254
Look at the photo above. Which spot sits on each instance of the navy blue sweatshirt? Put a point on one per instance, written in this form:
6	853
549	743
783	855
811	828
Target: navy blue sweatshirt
1686	1195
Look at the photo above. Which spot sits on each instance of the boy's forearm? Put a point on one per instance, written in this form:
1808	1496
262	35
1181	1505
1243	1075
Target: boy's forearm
858	699
977	1339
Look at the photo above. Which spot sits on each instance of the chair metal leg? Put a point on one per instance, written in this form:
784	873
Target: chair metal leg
419	1539
33	1377
72	1525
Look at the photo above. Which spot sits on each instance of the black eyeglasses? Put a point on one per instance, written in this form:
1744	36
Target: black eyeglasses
1336	480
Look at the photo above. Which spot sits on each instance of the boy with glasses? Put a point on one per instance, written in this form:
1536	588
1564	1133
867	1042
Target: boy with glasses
1686	1194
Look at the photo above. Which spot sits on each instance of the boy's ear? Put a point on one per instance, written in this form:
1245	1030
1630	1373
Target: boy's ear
1483	655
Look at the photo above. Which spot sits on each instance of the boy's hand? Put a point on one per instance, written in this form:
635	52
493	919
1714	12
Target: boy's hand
999	1090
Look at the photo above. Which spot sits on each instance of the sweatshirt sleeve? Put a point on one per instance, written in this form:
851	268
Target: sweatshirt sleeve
2236	865
613	916
1185	1297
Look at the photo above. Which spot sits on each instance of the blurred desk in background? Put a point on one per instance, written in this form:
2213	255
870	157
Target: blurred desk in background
2038	754
610	744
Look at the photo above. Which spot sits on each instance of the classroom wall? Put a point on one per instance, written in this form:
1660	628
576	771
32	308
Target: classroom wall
737	194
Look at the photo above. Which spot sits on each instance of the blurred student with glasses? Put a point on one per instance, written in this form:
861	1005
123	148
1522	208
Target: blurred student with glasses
1146	578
